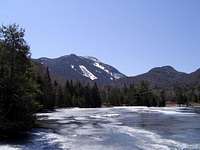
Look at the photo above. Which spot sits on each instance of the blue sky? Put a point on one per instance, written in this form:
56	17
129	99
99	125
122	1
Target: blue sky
132	35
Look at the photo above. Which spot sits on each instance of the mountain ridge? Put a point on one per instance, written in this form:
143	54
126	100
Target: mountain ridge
89	69
163	77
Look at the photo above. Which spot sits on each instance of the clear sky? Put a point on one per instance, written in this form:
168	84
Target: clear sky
132	35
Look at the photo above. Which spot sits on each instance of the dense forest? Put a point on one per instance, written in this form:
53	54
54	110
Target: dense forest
25	91
51	95
144	95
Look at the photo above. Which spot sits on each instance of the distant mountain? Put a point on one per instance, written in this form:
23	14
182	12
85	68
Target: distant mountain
85	69
193	78
162	77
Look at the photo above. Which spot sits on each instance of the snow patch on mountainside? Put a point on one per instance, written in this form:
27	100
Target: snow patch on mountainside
102	67
114	75
99	66
117	75
87	73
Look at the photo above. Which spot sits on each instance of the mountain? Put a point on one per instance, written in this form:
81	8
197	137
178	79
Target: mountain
85	69
90	69
193	78
161	77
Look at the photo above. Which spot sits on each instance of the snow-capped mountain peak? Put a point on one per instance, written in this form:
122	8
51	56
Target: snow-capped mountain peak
73	67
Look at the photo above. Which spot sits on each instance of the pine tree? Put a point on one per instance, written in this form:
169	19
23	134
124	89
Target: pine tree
96	96
132	95
40	97
68	92
48	91
143	94
55	91
115	97
60	98
88	96
162	101
17	88
181	96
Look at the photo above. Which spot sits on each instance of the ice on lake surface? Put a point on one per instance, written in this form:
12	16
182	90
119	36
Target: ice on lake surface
115	128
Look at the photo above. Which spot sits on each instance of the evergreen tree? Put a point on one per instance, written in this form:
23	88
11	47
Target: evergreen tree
181	97
115	97
88	96
96	96
17	88
131	98
56	90
40	98
144	95
68	93
162	101
60	98
48	91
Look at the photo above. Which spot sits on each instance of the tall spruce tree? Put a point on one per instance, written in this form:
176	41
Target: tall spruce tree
162	101
68	94
96	96
60	98
48	91
17	88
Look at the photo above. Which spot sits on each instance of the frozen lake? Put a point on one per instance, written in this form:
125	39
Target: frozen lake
118	128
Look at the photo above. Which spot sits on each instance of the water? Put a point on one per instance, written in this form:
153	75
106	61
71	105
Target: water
119	128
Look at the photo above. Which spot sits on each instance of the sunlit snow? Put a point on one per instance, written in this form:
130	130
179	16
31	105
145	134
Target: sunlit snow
72	66
114	75
87	73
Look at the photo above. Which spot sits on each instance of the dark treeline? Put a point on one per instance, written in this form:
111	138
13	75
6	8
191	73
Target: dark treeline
51	95
143	94
186	95
134	95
